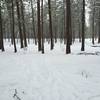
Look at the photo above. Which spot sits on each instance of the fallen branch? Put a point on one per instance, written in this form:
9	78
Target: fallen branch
16	95
95	46
85	53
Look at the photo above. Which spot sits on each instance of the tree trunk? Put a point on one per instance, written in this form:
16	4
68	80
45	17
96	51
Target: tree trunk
64	25
68	26
50	25
19	23
83	27
39	28
13	27
23	23
93	23
99	33
1	31
42	27
99	28
79	32
55	25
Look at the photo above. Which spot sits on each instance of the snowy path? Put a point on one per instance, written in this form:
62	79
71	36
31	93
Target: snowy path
53	76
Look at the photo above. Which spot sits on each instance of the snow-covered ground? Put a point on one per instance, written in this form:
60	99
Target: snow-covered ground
30	75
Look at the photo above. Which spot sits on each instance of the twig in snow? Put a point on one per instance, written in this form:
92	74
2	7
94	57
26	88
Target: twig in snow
16	95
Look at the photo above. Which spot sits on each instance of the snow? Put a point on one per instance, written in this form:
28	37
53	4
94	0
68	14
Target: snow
50	76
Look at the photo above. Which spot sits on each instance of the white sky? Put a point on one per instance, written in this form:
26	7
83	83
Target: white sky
87	16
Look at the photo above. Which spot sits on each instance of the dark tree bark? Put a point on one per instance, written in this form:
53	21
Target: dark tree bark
99	28
23	23
55	23
83	27
64	23
50	25
19	23
79	32
39	25
13	27
79	24
93	23
42	27
10	17
68	26
1	31
99	33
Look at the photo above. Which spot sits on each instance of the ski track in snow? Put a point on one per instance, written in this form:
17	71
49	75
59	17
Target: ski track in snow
52	76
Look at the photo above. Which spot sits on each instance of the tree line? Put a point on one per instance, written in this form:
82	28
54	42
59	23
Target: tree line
41	20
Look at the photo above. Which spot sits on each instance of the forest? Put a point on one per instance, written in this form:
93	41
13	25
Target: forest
49	49
49	20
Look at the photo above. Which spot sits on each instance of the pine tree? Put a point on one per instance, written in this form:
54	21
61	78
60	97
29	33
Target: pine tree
19	23
39	25
68	26
23	23
1	31
13	27
42	27
50	24
83	27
